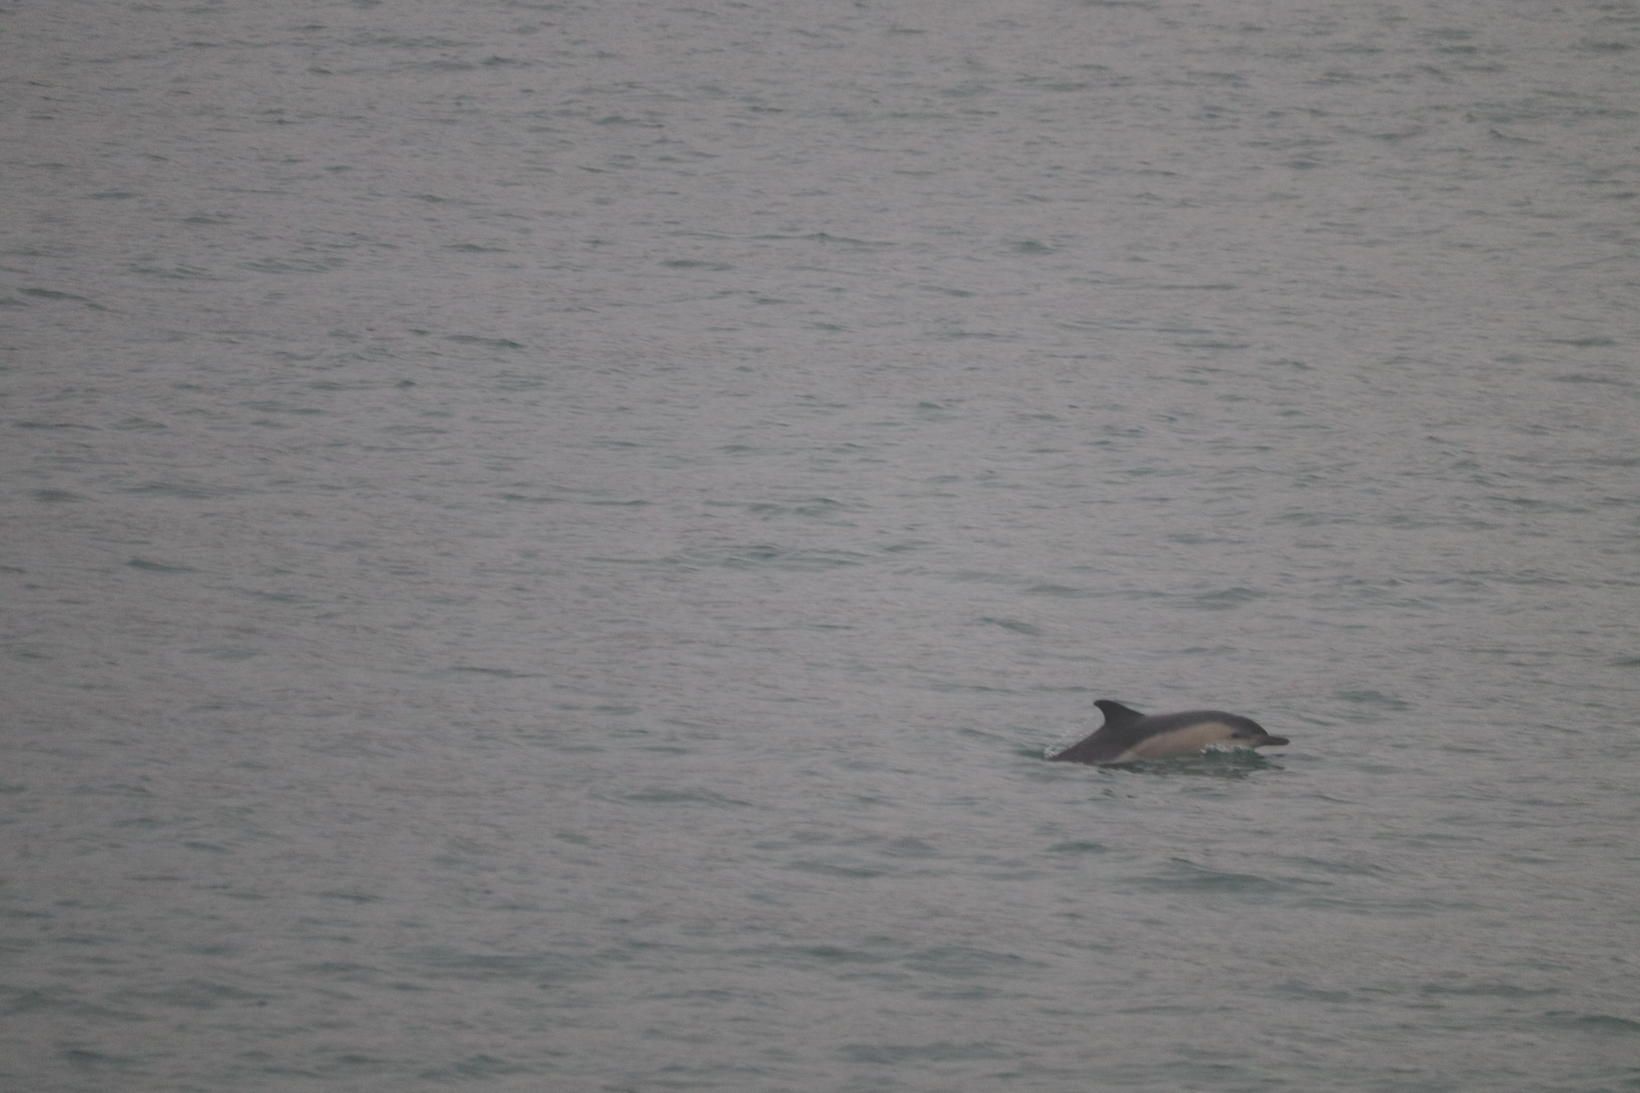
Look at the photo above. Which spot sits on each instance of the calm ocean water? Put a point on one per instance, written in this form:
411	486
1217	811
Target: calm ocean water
546	544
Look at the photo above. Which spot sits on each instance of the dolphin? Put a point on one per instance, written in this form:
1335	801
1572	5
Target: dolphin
1128	735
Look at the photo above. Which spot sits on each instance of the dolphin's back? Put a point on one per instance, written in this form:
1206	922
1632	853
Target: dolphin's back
1128	734
1123	728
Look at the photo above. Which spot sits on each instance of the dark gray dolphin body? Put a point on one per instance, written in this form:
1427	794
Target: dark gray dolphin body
1128	735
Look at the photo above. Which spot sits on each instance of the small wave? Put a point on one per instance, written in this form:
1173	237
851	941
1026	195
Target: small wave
1595	1022
149	566
1179	874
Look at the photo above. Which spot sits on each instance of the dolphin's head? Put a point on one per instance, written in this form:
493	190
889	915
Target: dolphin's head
1247	733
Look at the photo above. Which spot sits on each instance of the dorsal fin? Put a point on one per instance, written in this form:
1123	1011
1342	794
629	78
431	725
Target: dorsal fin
1116	714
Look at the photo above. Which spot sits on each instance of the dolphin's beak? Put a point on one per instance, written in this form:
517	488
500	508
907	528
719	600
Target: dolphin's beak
1271	741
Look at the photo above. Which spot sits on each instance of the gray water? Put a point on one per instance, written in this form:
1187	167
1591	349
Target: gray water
546	544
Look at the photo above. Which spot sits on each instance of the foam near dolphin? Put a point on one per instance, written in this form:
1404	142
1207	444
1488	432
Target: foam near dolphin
1128	735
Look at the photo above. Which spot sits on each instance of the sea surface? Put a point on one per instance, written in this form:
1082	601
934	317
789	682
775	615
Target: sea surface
544	545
